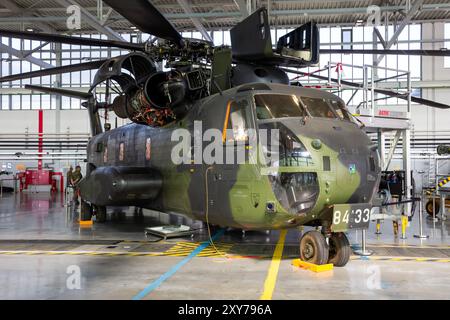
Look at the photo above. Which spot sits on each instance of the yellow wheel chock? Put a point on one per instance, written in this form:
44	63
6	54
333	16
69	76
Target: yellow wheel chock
311	266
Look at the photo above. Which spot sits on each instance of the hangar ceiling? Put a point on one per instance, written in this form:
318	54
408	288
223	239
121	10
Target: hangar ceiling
51	15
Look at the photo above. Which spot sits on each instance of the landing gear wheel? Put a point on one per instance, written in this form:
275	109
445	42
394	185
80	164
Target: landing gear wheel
314	248
340	250
100	213
86	211
429	207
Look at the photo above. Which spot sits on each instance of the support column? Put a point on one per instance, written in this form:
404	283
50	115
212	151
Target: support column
58	98
381	146
57	84
407	166
40	137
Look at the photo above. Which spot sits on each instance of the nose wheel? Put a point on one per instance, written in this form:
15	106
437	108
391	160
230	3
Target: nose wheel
315	249
339	249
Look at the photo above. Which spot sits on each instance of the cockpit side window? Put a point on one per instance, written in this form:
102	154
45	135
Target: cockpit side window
272	106
342	111
236	122
318	107
339	109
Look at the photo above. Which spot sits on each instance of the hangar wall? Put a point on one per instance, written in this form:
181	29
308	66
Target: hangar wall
425	118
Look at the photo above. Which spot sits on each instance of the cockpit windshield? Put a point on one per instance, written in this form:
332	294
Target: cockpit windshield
272	106
318	107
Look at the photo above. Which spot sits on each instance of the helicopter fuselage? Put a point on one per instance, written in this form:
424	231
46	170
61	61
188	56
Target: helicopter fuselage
321	162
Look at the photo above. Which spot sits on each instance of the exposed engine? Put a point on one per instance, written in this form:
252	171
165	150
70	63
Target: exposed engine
154	104
148	96
163	97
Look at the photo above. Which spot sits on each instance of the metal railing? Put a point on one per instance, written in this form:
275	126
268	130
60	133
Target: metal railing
25	146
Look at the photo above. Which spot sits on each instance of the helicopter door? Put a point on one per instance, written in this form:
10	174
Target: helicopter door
229	182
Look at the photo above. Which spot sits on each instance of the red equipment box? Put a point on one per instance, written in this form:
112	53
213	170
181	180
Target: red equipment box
38	177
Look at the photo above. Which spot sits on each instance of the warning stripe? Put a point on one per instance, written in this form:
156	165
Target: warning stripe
185	248
211	253
79	253
180	249
441	183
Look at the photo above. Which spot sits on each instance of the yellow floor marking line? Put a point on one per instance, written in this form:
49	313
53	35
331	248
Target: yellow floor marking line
271	279
311	266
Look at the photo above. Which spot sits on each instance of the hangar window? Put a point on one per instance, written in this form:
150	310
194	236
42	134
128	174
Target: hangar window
347	38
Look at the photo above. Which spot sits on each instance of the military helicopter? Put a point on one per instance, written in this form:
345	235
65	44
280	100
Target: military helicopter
327	171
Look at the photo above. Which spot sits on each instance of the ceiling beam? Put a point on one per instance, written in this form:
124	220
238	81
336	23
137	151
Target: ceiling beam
30	52
14	8
185	4
407	19
243	6
237	14
93	21
29	58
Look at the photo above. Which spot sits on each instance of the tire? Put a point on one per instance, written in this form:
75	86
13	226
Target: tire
86	211
100	214
429	207
313	248
339	249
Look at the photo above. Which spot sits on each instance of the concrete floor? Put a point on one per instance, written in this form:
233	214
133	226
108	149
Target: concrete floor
43	250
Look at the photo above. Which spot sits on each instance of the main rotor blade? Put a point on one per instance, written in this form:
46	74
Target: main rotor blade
390	93
57	70
72	40
146	18
431	53
62	92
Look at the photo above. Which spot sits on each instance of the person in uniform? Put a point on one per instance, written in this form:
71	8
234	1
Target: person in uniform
69	177
75	179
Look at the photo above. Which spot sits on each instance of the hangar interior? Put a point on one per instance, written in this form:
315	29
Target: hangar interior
41	237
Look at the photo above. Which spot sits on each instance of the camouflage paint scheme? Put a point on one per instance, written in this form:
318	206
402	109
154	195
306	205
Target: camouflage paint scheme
236	195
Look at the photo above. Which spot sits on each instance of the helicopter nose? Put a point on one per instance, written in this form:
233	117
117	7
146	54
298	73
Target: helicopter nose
345	157
357	164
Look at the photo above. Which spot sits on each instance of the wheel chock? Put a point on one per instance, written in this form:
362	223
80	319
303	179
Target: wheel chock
311	266
85	222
